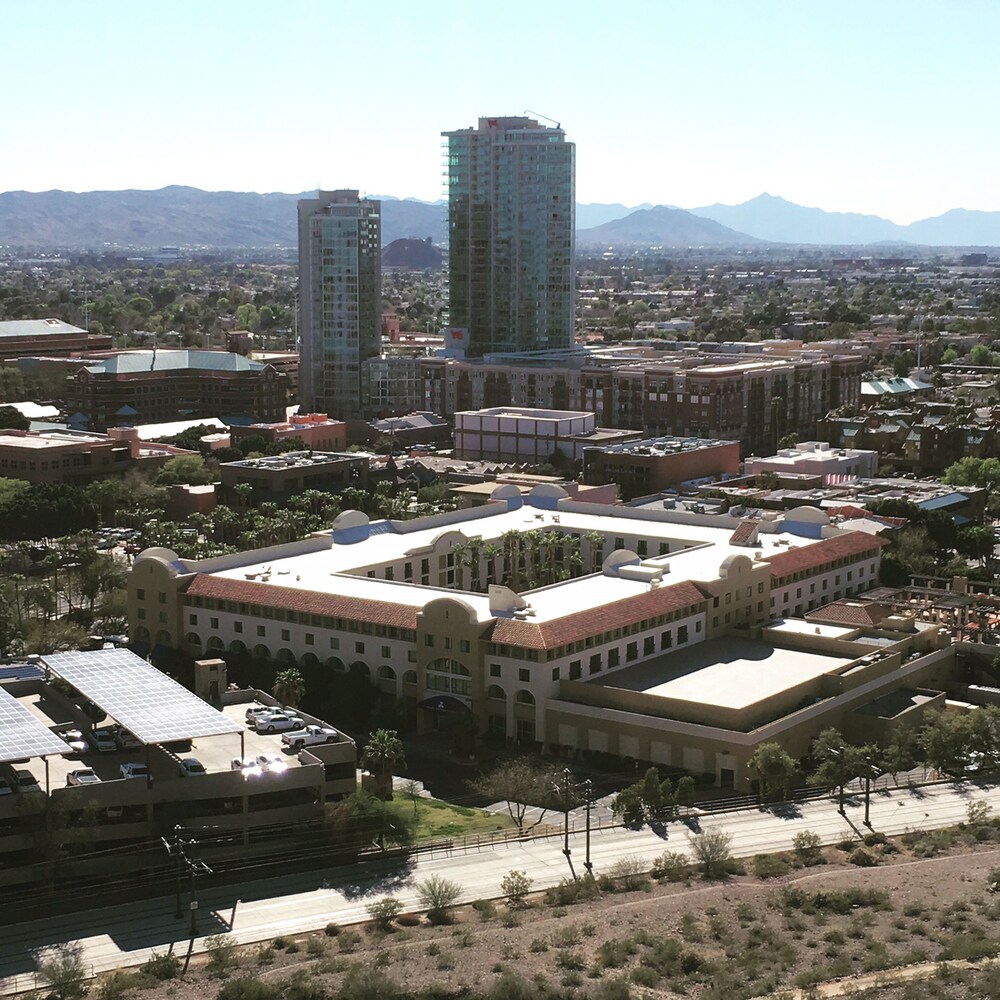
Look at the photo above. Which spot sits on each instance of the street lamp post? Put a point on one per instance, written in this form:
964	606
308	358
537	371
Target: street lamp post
566	779
839	755
588	791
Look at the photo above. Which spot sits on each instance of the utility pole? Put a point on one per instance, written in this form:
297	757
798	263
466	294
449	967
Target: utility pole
839	755
182	851
588	791
565	793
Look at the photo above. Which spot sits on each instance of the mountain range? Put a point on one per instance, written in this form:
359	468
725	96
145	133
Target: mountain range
188	216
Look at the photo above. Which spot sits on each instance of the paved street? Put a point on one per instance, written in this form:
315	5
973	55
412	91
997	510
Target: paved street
262	909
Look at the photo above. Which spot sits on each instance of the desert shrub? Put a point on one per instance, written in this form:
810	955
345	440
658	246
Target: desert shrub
62	967
331	930
770	865
712	850
629	873
280	942
248	988
384	911
222	954
486	908
807	846
645	976
671	866
510	986
614	953
567	936
510	918
265	954
570	960
612	989
409	920
863	859
538	945
570	891
292	948
968	947
690	928
315	946
874	838
161	967
301	987
438	895
120	984
515	886
365	982
348	941
978	812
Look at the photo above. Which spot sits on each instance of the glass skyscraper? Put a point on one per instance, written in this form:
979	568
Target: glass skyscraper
511	231
340	300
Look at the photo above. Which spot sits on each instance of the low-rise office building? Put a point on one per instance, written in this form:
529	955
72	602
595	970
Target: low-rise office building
652	465
21	338
660	635
529	436
315	430
817	458
276	478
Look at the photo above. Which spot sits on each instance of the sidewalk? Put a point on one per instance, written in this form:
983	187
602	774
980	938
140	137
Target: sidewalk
292	904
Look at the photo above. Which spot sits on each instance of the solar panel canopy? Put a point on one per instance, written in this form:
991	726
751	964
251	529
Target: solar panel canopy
151	706
22	736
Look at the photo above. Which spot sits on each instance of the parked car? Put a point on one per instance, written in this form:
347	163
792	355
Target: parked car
6	788
82	776
256	712
247	765
272	762
124	740
75	740
134	770
103	740
310	736
25	781
191	767
279	723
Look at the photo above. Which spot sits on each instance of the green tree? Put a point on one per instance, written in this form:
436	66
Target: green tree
362	819
191	470
382	755
289	687
950	356
947	741
775	768
981	355
12	418
63	968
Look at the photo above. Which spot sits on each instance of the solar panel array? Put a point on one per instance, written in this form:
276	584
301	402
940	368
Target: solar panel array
22	735
154	708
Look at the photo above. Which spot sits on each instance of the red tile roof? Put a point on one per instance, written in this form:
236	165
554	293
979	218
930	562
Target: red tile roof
745	533
304	601
607	617
806	557
849	613
851	511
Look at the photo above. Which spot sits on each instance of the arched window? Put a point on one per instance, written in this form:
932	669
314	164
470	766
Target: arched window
142	634
238	646
449	676
360	668
214	642
309	660
285	656
336	664
386	673
192	639
524	698
410	677
163	637
496	692
261	652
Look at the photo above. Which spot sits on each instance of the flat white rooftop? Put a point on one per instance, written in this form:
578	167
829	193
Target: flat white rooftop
797	626
729	672
334	570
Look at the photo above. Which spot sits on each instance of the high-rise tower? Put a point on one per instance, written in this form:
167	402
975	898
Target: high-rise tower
511	231
340	300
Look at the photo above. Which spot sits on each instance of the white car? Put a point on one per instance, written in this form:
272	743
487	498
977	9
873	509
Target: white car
272	762
103	740
246	765
191	767
134	770
82	776
75	740
310	736
259	711
279	723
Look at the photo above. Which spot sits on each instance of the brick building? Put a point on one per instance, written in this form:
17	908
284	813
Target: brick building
20	338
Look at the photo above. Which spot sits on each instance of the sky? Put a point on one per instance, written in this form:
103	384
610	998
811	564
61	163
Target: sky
883	107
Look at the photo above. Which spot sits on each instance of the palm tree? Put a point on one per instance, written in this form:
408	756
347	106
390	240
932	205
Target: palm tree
511	557
458	553
289	687
595	540
490	553
475	563
383	754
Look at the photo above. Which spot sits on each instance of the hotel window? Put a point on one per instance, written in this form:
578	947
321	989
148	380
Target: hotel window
238	627
575	669
261	631
213	622
310	639
555	673
386	652
666	640
614	657
140	594
429	640
682	634
334	643
192	619
359	647
463	645
649	645
494	670
142	613
523	674
697	626
286	635
632	651
595	663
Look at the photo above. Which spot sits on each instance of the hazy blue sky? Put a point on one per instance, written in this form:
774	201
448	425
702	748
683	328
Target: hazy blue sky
876	106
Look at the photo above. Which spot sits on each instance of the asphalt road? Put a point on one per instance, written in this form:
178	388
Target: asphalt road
260	910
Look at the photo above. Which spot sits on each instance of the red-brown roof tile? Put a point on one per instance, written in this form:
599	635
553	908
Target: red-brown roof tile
806	557
745	532
304	601
617	614
849	613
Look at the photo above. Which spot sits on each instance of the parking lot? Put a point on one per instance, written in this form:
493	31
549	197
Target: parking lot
215	752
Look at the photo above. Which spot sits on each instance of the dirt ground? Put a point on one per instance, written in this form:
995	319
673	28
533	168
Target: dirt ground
741	938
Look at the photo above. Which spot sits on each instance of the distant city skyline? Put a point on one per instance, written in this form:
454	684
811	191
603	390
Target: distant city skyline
881	109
